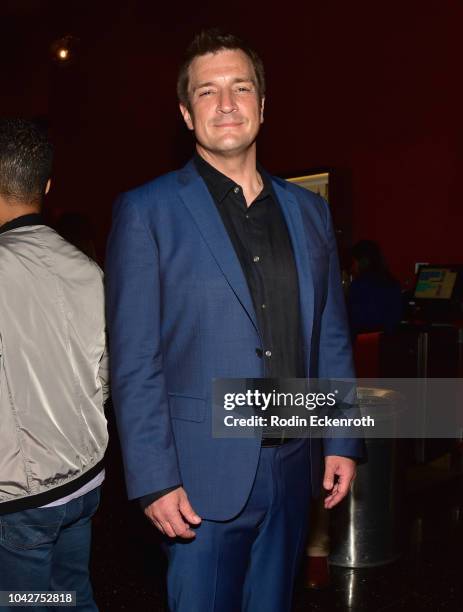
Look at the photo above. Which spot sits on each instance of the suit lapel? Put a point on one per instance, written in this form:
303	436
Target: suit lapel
297	232
199	202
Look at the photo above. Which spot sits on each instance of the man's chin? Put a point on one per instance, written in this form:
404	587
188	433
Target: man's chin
228	148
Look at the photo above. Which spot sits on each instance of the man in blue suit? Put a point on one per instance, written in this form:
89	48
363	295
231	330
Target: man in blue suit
220	271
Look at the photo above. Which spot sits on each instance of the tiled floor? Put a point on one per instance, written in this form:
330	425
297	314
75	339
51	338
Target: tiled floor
129	570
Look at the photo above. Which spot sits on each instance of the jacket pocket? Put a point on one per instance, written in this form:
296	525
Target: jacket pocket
187	408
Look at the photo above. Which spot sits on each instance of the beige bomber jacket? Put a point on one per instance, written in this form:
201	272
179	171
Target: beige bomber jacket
53	368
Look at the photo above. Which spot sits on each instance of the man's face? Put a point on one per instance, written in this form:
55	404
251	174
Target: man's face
225	111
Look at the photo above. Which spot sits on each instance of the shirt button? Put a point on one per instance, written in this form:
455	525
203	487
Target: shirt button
236	189
264	306
247	216
256	258
268	353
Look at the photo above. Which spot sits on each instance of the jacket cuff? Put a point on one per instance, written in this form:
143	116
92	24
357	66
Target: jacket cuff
148	499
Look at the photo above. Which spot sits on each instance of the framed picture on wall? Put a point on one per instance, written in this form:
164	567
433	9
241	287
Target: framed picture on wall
334	187
317	182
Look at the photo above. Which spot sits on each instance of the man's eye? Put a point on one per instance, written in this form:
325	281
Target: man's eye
207	92
242	89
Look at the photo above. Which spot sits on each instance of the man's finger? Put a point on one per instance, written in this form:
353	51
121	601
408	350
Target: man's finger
168	530
157	524
188	513
332	492
181	529
339	492
328	479
343	486
331	501
152	519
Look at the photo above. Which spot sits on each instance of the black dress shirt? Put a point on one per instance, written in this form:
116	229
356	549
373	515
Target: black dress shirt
262	244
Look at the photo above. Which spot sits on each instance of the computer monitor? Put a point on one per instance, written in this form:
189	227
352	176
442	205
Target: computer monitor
437	282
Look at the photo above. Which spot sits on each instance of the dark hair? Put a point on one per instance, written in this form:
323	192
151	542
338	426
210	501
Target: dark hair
371	261
25	160
212	41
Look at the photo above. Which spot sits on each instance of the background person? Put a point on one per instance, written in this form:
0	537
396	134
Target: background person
374	296
53	382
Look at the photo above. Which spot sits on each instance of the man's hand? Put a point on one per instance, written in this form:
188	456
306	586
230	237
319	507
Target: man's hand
172	514
342	467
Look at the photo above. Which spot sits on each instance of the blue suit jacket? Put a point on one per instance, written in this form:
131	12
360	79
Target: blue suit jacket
180	314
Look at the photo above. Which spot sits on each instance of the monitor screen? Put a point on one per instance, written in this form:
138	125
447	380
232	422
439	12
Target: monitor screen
435	283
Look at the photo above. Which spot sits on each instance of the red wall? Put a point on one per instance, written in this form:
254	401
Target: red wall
371	90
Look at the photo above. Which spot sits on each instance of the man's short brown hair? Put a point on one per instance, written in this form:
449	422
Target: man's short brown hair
212	41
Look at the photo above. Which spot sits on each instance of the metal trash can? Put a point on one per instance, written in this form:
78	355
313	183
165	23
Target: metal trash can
366	528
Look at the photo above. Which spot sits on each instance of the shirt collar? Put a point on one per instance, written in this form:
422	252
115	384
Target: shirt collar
22	221
220	185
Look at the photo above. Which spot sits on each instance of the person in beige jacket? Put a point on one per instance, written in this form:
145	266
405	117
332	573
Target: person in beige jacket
53	384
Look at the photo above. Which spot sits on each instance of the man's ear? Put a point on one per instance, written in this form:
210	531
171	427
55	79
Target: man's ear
47	188
186	116
262	103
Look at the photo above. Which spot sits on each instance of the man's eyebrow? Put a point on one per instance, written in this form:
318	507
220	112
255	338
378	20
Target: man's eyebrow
205	84
234	81
245	80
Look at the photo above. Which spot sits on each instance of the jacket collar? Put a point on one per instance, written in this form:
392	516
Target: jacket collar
220	185
22	221
199	202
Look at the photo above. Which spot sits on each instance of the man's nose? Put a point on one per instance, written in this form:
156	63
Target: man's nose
226	102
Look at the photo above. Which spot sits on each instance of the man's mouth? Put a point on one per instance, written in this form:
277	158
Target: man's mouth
221	125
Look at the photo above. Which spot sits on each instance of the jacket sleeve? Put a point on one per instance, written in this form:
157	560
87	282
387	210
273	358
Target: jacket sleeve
136	360
335	353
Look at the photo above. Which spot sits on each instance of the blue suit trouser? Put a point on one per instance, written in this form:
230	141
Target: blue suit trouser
248	563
